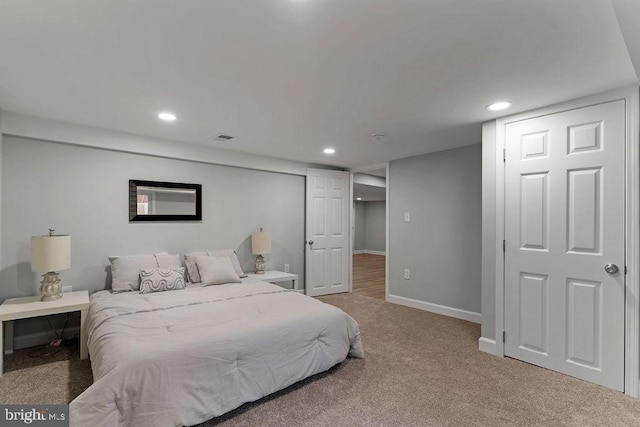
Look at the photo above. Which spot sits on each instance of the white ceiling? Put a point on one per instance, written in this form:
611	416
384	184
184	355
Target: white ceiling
290	77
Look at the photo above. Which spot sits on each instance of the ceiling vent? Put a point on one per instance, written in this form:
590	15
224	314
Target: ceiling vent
224	138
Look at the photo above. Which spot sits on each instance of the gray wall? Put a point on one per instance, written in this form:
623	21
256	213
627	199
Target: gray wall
359	226
375	226
84	192
489	230
442	243
370	226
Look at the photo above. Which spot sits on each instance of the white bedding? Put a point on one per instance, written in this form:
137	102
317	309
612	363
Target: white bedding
182	357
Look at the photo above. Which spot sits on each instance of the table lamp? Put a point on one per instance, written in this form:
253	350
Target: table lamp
260	245
50	254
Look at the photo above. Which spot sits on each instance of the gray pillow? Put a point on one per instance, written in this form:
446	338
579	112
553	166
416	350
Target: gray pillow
161	279
125	271
192	268
233	256
168	260
216	270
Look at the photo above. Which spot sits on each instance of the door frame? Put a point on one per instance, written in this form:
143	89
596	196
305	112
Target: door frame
352	215
632	223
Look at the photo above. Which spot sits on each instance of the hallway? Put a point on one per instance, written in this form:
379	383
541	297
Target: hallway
368	275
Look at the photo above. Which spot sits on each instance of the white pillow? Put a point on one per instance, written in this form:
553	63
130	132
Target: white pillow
161	279
192	268
216	270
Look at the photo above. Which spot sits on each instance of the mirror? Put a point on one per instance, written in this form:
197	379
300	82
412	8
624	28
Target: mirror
164	201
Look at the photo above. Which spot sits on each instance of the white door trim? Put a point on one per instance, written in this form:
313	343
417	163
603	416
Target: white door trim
352	230
386	239
632	227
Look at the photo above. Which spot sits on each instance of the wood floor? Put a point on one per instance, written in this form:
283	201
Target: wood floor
368	275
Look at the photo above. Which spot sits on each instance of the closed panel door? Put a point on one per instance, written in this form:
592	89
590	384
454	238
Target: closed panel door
564	223
327	253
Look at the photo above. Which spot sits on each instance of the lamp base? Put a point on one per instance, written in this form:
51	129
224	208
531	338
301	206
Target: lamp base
50	287
259	264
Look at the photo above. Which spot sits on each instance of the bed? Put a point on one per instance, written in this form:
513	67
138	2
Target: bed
182	357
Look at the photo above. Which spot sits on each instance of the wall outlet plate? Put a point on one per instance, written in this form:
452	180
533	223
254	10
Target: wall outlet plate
286	268
407	216
407	274
67	288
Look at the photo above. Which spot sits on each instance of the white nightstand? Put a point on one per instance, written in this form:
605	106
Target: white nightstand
275	276
26	307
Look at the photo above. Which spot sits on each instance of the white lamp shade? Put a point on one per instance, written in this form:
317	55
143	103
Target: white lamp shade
261	243
50	253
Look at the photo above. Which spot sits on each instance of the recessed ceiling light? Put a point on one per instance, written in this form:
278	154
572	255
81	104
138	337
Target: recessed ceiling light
329	150
169	117
358	198
497	106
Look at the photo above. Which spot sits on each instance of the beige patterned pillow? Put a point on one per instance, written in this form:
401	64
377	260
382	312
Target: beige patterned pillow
161	279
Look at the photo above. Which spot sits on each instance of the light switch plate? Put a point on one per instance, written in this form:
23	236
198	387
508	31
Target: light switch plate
407	216
286	268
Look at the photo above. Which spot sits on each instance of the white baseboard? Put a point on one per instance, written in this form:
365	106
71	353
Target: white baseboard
375	252
436	308
42	338
367	251
487	345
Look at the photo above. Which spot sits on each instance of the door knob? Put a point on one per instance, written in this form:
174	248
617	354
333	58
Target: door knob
611	268
310	242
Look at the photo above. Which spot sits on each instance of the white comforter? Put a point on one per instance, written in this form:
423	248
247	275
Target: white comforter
182	357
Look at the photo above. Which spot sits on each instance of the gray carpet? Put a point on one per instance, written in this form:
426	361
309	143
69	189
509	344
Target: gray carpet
421	369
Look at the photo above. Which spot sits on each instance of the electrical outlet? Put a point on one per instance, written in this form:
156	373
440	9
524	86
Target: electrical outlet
407	216
407	274
286	268
66	289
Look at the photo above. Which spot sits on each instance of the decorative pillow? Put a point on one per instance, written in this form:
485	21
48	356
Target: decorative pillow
125	271
216	270
161	279
192	268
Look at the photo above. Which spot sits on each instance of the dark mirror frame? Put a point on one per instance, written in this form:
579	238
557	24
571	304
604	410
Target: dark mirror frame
133	201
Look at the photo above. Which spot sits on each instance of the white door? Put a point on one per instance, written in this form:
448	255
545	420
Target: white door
564	222
327	253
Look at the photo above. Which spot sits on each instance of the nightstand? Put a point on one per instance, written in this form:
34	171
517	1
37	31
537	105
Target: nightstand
26	307
277	277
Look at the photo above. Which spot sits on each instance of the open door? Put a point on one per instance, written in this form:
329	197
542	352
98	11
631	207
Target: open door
327	232
565	242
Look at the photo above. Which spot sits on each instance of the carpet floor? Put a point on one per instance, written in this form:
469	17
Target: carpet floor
421	369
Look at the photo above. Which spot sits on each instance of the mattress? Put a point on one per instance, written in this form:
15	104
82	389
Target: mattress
182	357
